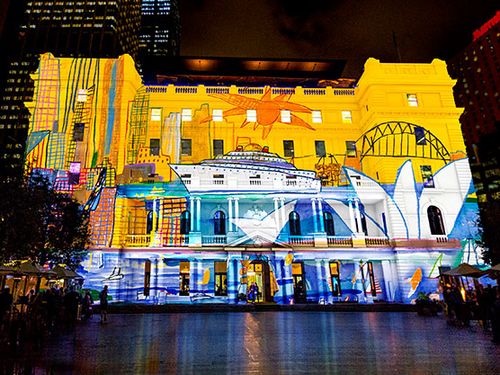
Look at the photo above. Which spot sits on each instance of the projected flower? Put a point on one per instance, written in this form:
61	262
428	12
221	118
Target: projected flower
267	110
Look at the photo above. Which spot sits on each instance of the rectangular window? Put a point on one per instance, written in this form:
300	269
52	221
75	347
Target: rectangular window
288	149
347	117
251	115
154	146
218	147
419	135
155	114
316	117
147	277
320	148
350	149
81	97
78	132
217	115
427	176
286	116
186	147
335	277
373	284
186	114
74	173
184	270
412	100
220	276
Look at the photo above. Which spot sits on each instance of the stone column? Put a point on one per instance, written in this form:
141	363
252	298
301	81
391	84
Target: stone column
320	214
351	217
236	210
230	213
313	204
198	214
276	213
192	213
283	218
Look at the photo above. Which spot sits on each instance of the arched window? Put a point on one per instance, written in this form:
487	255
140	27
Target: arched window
149	222
329	226
185	222
362	215
219	223
435	220
294	223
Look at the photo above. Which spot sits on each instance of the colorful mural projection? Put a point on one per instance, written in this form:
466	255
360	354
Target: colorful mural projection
189	204
265	111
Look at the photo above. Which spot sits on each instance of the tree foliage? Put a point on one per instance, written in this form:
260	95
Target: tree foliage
490	234
40	224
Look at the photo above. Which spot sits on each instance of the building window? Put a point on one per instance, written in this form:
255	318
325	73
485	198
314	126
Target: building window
81	96
419	135
149	222
347	117
220	223
335	278
299	286
435	220
316	117
186	114
184	270
218	147
220	276
155	114
185	222
320	148
288	149
186	147
154	146
147	277
412	100
78	132
294	223
427	176
350	149
329	225
251	115
217	115
286	116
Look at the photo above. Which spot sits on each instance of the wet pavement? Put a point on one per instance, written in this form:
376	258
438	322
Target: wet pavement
262	343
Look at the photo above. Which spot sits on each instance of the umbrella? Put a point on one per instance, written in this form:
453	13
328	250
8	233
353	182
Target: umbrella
465	270
4	270
65	273
495	268
30	268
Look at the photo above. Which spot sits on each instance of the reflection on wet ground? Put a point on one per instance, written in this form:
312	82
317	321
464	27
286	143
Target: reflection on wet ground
262	343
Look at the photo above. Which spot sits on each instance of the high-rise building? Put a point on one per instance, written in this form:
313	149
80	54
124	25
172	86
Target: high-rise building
477	91
86	28
159	34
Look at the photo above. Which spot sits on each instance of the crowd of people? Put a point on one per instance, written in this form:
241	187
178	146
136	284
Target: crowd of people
481	304
36	315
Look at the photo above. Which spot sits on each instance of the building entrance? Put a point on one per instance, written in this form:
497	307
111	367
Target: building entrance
258	273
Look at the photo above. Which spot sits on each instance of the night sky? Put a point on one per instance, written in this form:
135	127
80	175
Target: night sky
352	30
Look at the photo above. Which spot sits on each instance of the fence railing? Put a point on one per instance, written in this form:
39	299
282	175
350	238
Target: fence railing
301	240
214	240
137	240
377	241
336	241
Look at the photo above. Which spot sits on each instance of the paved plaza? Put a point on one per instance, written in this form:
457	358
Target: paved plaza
263	343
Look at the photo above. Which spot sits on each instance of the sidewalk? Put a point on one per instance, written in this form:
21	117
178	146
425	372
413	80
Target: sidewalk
119	308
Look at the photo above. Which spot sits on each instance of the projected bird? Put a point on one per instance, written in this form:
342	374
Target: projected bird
268	110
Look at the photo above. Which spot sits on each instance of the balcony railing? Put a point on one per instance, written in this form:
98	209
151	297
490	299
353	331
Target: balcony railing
377	241
336	241
179	240
137	240
214	240
301	240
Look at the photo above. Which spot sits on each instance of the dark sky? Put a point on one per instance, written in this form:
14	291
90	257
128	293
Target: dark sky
352	30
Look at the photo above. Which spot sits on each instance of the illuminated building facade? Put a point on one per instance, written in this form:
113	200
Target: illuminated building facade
314	194
90	28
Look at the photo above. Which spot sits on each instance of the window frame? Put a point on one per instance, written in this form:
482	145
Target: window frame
287	151
186	143
317	117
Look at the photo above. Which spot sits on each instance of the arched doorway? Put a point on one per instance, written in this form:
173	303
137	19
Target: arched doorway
258	272
435	220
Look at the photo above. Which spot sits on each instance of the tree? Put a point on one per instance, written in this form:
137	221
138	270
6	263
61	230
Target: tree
490	235
40	224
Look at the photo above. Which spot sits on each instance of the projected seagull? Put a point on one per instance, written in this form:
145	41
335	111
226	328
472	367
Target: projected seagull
267	229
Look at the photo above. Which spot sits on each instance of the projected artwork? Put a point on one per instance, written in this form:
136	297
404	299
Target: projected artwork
196	192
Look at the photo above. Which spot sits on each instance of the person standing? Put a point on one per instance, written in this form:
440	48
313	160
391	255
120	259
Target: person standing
103	298
5	302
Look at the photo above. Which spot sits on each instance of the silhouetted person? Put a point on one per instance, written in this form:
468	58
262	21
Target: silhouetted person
87	305
71	301
5	302
103	299
495	318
